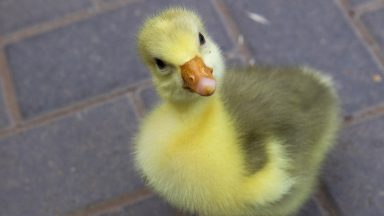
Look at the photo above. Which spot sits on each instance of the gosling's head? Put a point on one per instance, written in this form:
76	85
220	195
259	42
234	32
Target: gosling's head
184	61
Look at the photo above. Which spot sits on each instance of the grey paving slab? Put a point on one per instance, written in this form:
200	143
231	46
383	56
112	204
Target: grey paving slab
151	207
15	15
374	21
65	165
354	172
359	2
86	59
158	207
310	209
76	62
4	117
312	33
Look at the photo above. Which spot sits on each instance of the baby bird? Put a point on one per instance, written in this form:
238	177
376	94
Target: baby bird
237	142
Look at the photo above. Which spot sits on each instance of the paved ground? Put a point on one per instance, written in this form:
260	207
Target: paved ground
72	91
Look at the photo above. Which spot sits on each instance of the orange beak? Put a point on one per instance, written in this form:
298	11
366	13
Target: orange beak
198	77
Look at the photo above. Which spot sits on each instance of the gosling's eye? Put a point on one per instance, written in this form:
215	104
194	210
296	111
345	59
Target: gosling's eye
160	63
201	39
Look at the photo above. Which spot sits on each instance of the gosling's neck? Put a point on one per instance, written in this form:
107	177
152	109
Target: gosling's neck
197	105
195	108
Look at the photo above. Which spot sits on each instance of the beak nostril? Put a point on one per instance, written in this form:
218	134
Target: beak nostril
191	78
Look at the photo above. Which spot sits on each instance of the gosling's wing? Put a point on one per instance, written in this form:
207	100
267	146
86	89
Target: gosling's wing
293	104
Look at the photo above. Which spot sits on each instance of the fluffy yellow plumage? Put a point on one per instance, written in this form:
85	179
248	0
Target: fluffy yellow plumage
204	171
213	155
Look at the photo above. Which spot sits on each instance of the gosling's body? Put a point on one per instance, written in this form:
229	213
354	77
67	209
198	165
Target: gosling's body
254	147
257	154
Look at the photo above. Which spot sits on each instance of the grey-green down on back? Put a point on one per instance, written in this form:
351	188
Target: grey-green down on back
296	105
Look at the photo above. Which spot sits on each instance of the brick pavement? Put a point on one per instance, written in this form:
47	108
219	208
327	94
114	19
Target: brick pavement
72	91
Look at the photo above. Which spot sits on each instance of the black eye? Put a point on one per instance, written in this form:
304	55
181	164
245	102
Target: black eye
160	63
201	39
